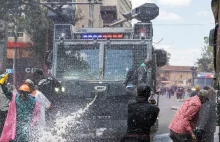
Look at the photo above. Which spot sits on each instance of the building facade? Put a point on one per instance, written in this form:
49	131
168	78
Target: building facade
181	75
112	10
88	15
100	15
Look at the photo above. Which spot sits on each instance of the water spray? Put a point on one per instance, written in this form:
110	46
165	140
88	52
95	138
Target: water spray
62	123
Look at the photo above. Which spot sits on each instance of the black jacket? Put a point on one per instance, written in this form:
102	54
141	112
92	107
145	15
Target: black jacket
141	117
47	86
131	78
136	75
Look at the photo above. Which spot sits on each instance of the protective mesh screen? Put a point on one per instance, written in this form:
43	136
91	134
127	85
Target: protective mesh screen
120	58
78	62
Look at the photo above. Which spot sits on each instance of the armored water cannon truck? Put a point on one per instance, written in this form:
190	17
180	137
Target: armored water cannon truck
92	64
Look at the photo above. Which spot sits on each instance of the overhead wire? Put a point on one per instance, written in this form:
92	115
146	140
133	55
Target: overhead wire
196	24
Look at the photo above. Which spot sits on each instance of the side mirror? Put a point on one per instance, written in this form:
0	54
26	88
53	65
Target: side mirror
212	37
48	58
161	56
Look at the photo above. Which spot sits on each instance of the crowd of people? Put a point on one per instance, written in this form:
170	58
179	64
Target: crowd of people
179	92
194	121
22	111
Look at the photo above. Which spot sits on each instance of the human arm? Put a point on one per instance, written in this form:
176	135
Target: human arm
153	115
193	136
7	93
128	76
44	101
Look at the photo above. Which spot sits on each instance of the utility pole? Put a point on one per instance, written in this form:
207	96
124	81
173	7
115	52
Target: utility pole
3	46
15	55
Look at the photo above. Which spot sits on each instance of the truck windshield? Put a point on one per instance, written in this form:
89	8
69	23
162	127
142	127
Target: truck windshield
81	62
78	62
120	58
201	82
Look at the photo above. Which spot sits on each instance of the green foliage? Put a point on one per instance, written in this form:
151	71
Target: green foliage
159	69
37	26
30	17
168	56
205	63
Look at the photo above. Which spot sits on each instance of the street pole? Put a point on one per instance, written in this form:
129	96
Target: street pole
14	57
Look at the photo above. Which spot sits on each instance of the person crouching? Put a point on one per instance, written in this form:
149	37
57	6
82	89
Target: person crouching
186	117
141	116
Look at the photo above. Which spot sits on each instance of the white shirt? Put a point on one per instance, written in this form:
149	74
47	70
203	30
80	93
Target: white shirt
44	103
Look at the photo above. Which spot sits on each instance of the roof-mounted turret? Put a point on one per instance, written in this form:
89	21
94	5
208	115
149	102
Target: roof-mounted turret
144	13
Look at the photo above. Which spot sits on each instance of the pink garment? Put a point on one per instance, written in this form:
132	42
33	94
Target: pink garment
36	114
9	130
186	117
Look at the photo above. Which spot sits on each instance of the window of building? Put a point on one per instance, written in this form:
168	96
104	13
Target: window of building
90	23
91	10
19	34
10	34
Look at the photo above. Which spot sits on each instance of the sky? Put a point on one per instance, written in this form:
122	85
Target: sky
182	24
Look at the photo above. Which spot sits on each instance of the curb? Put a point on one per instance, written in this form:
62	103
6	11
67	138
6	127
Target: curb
174	108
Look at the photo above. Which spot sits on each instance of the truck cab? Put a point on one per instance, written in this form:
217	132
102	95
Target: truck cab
92	64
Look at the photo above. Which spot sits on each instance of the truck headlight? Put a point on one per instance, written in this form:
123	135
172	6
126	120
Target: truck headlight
57	89
63	89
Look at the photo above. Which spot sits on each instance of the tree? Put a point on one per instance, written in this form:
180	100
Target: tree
205	63
30	16
39	27
159	70
168	58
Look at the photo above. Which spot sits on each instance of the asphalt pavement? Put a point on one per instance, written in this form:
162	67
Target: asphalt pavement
168	108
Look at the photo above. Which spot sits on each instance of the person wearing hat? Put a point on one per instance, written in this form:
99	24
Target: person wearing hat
186	117
206	124
141	116
137	75
41	99
143	70
44	104
22	114
195	92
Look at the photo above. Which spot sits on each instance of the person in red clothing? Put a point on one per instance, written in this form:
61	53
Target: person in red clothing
185	119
